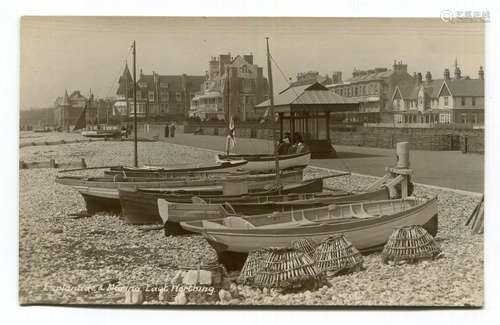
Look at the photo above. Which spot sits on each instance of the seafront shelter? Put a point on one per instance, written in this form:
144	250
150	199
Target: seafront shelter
308	110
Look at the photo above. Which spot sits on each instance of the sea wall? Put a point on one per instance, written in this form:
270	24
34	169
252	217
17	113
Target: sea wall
438	139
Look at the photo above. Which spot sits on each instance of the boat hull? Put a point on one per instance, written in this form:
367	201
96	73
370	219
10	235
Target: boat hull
97	193
262	163
101	134
181	171
366	235
141	207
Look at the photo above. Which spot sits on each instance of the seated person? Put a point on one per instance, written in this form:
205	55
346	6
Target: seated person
283	147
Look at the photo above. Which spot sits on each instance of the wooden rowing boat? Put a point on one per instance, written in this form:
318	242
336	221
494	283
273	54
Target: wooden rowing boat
172	213
218	168
139	206
101	193
101	133
266	162
367	225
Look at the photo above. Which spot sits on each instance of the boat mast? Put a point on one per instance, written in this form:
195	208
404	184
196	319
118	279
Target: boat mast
135	108
271	102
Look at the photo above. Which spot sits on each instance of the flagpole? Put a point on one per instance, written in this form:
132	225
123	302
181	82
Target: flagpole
136	163
271	102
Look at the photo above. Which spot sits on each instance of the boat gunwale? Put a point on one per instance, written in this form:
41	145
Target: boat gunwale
298	231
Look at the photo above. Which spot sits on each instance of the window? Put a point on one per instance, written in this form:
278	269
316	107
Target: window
474	118
473	101
178	97
463	101
445	101
364	90
151	96
464	118
356	91
398	104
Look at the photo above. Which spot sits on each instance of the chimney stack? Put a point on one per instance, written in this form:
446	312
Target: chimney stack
419	78
446	74
428	76
481	73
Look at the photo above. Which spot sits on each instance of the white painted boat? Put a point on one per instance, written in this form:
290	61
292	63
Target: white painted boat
101	133
267	162
199	209
367	225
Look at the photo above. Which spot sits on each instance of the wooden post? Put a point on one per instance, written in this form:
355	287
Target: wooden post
281	125
327	120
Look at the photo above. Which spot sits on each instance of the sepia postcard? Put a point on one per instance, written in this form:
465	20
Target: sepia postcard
252	161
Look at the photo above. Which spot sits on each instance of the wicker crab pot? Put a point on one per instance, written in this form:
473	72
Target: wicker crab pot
287	269
410	244
337	256
305	245
252	265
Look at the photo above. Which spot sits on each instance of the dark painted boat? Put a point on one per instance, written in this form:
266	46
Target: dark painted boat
140	206
101	193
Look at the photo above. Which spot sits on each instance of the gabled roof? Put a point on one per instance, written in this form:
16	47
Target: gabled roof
65	100
371	76
433	87
407	91
466	87
174	81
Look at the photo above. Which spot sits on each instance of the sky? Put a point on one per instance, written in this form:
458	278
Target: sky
88	53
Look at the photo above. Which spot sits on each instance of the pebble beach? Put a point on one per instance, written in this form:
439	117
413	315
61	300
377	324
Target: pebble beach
94	260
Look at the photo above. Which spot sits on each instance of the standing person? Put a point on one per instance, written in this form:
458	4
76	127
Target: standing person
172	129
167	129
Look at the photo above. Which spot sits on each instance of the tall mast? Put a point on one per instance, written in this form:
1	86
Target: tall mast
136	164
228	115
271	102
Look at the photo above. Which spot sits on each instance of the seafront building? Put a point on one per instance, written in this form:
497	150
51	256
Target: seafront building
159	97
68	108
233	86
457	100
373	89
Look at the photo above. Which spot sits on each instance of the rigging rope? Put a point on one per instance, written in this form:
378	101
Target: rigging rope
344	163
122	67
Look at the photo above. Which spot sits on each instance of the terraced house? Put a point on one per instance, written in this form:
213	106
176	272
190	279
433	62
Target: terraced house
159	97
373	90
457	100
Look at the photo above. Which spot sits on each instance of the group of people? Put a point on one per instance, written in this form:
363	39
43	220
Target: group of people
170	129
290	145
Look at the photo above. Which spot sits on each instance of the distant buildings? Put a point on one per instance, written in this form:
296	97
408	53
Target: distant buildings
68	108
458	100
233	86
373	89
158	96
311	77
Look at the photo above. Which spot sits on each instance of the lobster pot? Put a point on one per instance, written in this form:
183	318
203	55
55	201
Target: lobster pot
287	269
338	256
252	265
410	243
218	271
305	245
